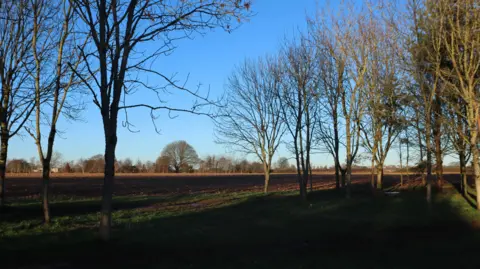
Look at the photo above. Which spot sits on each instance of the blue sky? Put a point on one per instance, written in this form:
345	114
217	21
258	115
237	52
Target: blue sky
208	60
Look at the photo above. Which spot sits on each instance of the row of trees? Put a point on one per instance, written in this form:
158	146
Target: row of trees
176	157
365	80
53	51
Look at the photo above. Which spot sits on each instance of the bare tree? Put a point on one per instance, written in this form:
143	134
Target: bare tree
180	155
425	62
455	27
299	104
457	133
382	121
282	164
118	29
351	33
54	53
251	121
332	80
17	102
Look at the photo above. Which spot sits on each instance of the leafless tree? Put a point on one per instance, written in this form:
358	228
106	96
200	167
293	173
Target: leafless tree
251	121
299	103
332	80
425	65
455	27
351	33
54	52
382	121
17	102
119	29
180	155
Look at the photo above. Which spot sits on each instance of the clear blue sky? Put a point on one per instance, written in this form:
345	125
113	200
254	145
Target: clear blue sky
209	60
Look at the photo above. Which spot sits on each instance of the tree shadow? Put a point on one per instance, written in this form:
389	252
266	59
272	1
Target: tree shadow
34	211
275	231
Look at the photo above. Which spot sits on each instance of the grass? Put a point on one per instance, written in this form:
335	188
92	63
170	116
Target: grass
248	230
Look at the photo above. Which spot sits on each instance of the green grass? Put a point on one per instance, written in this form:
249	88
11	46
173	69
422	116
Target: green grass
248	230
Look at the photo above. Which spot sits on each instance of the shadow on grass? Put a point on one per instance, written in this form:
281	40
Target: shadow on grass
274	231
32	211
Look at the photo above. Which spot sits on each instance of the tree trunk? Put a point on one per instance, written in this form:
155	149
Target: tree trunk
463	174
380	176
337	176
303	188
424	180
310	176
372	180
428	132
107	192
349	178
267	179
438	160
438	142
401	163
266	171
408	159
46	191
476	169
3	164
343	172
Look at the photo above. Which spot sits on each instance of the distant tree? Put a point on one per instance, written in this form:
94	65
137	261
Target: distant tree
225	164
162	164
282	164
150	167
139	167
95	164
179	154
18	166
210	162
56	159
126	166
67	168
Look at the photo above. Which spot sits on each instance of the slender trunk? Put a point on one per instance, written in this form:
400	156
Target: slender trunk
408	159
108	182
310	176
266	171
380	175
424	181
46	191
438	160
303	192
401	162
476	166
336	148
343	172
349	157
301	184
463	173
267	180
429	160
3	164
349	178
337	176
372	180
438	142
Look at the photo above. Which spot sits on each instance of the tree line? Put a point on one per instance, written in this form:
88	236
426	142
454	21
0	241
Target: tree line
362	82
174	158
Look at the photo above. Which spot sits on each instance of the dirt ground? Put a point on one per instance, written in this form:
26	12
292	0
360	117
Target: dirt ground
28	187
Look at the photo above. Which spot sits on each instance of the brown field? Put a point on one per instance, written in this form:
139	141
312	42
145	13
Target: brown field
90	185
